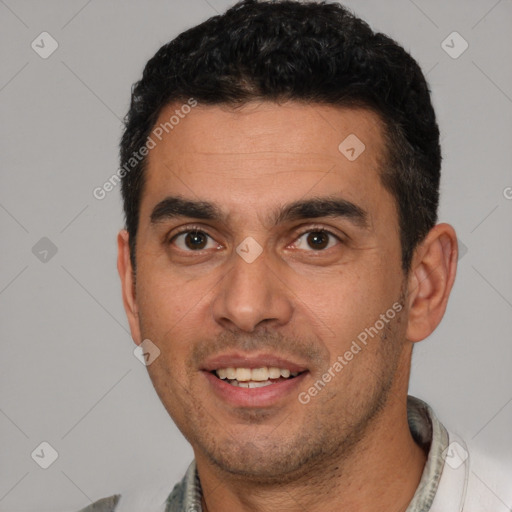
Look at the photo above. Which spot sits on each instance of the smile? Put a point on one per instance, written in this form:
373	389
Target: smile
254	377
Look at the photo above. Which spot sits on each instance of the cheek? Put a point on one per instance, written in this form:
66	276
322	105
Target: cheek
166	318
339	295
343	304
164	302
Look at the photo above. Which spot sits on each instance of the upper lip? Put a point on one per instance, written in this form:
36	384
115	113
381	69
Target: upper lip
241	360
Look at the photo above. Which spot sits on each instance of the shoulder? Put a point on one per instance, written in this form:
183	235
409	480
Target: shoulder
104	505
151	492
472	479
489	482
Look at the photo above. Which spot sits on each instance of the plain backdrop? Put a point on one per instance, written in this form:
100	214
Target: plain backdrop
68	374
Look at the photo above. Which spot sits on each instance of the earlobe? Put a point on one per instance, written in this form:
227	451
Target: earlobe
430	281
124	267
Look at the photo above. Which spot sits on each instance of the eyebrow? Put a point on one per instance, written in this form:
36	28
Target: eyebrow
177	207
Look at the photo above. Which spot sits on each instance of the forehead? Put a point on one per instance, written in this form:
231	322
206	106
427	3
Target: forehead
265	153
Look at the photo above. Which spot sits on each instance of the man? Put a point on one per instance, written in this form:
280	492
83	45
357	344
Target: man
281	258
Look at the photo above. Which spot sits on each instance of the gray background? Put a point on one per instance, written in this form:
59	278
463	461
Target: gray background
68	375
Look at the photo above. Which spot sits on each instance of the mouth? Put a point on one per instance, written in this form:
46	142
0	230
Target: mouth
253	380
254	377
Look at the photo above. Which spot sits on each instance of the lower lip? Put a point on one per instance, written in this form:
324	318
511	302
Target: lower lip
254	397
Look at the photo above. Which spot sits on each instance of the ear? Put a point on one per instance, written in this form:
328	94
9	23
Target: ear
430	281
124	267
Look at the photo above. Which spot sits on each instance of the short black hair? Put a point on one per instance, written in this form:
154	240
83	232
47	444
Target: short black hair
314	52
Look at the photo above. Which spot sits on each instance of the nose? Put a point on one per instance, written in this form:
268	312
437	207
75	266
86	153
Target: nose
251	294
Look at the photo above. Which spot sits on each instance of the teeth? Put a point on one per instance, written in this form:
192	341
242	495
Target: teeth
274	373
222	374
263	374
243	374
230	373
259	374
250	384
253	384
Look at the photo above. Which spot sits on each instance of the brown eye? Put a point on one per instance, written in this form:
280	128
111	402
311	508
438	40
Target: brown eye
196	240
192	240
317	240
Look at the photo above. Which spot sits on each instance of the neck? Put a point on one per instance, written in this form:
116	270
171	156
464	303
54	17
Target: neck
382	472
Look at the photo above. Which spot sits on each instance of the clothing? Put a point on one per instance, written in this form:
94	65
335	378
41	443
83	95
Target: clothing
453	479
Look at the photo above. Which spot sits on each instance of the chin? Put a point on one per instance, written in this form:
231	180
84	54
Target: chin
263	461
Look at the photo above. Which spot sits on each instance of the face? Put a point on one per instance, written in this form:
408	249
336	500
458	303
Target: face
267	257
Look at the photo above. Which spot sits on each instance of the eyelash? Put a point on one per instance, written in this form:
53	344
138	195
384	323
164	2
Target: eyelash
310	229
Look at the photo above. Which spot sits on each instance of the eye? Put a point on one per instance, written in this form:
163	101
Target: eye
317	239
193	240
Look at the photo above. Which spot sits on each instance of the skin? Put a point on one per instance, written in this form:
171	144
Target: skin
350	447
